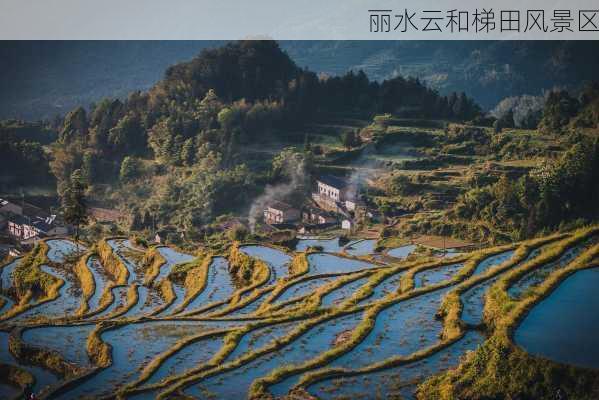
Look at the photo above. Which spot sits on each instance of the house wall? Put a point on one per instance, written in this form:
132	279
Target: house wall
274	216
329	191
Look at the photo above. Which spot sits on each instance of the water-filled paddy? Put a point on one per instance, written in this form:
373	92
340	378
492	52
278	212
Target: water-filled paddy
172	257
69	341
321	263
361	247
6	305
149	339
563	327
148	301
6	273
100	281
327	245
219	285
277	260
315	341
538	275
64	305
403	251
189	357
396	381
402	329
337	296
303	288
43	377
120	249
60	249
437	275
119	294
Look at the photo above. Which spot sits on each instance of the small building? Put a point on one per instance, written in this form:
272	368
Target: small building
278	212
332	188
316	216
347	224
22	228
33	228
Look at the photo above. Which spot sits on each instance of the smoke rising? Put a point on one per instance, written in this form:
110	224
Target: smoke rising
293	170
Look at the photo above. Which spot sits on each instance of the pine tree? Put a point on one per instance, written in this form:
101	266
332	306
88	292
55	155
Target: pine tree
128	169
74	205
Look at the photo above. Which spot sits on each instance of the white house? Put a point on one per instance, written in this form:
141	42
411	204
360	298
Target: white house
332	188
278	212
347	224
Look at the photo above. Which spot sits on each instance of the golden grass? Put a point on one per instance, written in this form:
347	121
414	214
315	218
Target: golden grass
86	282
111	263
152	261
98	351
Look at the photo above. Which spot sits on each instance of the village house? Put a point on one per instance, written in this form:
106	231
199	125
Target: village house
316	216
27	228
278	212
26	222
332	188
337	195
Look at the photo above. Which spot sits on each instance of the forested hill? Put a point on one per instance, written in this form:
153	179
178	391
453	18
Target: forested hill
43	79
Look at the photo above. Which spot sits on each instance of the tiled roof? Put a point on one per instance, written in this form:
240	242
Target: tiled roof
333	181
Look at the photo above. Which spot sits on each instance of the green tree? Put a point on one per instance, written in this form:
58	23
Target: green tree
74	204
129	169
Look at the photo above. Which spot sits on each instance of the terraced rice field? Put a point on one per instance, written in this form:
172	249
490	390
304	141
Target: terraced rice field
330	324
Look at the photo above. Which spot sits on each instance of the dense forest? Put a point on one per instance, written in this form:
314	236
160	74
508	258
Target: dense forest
192	124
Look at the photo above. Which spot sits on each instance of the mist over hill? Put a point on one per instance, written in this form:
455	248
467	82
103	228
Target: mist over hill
44	79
